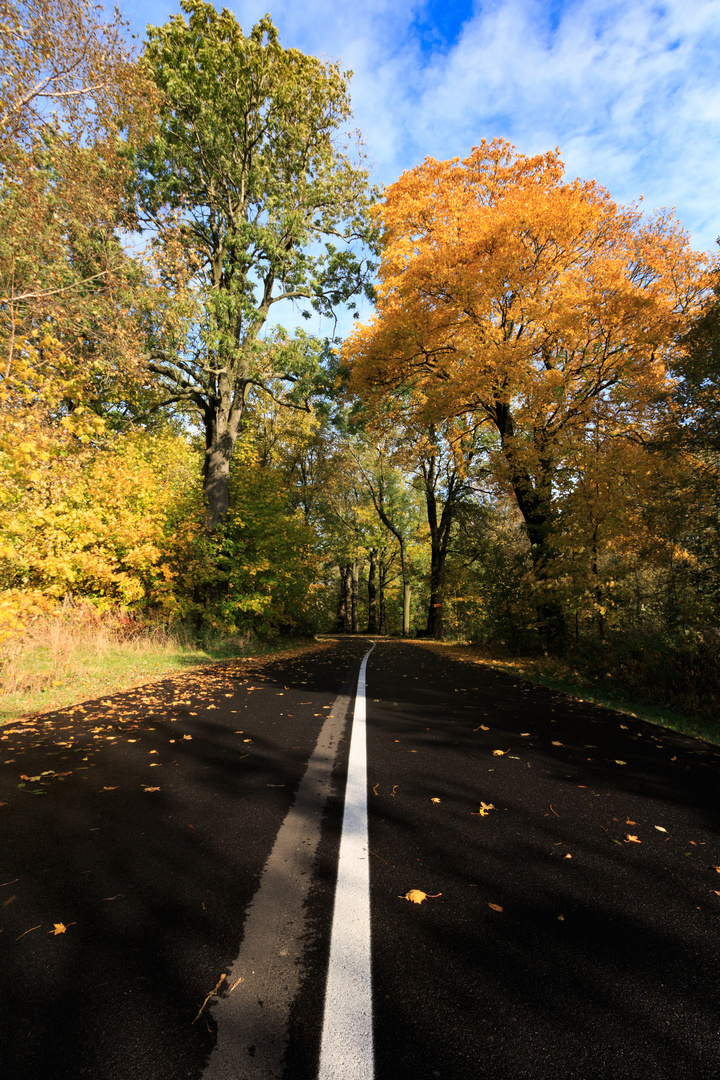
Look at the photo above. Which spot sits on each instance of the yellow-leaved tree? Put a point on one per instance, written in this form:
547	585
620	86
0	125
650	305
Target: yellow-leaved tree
534	303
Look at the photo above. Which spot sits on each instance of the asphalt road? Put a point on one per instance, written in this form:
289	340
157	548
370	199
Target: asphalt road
190	830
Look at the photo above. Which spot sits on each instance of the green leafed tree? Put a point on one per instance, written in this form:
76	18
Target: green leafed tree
248	185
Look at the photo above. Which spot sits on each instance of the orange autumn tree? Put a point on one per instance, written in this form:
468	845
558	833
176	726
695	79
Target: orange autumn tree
534	303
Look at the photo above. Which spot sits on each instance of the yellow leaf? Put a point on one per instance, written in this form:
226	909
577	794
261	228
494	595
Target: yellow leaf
416	896
632	839
60	928
557	744
434	800
483	811
499	753
620	762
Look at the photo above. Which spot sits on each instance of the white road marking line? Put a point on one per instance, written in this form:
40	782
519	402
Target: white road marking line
347	1041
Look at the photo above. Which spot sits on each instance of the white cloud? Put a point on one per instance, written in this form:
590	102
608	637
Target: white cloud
630	92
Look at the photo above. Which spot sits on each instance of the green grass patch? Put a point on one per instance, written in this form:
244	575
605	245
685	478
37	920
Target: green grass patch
43	676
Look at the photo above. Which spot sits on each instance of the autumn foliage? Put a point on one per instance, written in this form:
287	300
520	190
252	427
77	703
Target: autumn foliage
541	308
520	447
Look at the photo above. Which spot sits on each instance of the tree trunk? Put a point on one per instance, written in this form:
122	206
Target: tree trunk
372	594
382	575
534	498
341	620
348	594
435	621
354	596
407	590
222	424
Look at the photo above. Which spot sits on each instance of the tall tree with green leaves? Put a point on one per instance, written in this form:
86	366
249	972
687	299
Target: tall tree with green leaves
247	183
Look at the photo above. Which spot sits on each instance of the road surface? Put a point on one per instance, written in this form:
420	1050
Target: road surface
169	875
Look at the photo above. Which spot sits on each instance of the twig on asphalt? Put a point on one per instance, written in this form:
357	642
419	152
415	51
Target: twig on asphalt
211	994
556	814
379	857
29	931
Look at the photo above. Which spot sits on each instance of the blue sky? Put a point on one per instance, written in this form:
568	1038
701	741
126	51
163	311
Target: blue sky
629	91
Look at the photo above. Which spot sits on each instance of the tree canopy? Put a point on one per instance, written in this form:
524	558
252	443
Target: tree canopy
246	179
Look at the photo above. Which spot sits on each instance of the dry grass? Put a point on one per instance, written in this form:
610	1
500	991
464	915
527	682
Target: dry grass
79	653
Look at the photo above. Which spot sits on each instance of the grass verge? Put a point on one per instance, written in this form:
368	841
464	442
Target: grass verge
62	661
558	675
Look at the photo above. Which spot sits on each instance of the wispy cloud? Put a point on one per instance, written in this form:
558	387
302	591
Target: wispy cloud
629	91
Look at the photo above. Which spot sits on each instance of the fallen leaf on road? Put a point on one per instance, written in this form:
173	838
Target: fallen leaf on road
483	811
660	828
495	907
568	856
556	743
111	788
60	928
629	822
499	753
434	800
483	727
524	734
632	839
187	736
717	868
151	789
620	762
416	896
